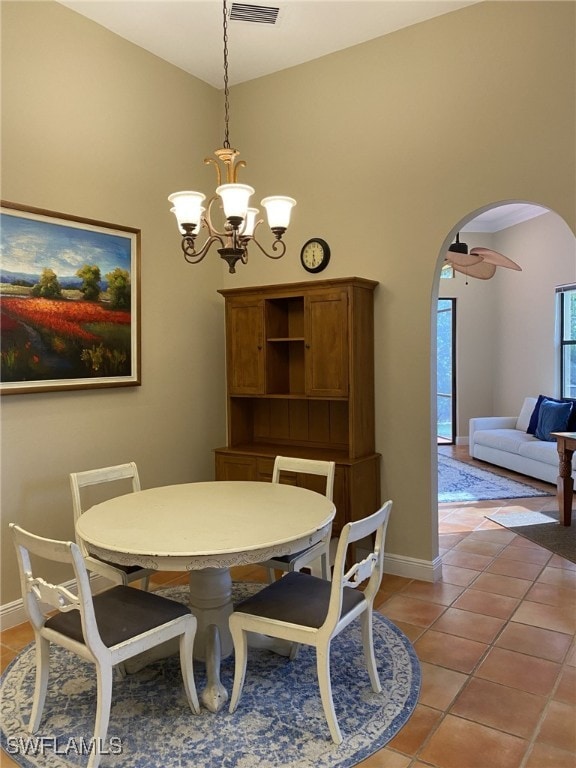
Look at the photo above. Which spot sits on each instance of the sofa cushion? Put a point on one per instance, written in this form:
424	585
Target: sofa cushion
526	412
509	440
539	450
552	417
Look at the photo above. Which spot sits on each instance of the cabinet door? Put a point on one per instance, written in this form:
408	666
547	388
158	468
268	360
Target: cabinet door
244	346
235	467
326	344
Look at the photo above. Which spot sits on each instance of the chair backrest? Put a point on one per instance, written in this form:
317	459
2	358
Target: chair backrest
370	567
79	480
308	467
38	592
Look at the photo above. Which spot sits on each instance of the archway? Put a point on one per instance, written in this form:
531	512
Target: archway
505	333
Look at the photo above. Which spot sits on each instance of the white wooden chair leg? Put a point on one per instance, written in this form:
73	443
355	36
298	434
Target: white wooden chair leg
240	638
41	685
325	565
186	665
323	668
294	651
271	575
368	645
320	568
103	703
120	671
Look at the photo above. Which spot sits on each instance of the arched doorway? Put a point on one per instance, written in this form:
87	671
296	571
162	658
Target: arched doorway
504	348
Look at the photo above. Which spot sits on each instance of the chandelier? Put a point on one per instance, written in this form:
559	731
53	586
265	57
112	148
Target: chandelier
241	221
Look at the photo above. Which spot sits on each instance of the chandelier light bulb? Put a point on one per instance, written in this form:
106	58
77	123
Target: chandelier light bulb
249	222
278	210
187	207
235	199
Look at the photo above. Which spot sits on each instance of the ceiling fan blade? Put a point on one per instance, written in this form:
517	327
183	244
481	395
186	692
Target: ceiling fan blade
482	270
493	257
463	259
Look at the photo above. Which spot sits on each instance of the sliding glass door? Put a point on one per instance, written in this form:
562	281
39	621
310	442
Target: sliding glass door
446	370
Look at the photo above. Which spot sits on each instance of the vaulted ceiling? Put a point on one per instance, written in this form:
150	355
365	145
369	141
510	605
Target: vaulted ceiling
266	37
188	33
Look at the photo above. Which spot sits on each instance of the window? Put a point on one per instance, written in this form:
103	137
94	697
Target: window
445	370
447	272
566	307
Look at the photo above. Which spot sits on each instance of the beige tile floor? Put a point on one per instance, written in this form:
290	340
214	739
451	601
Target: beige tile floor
496	641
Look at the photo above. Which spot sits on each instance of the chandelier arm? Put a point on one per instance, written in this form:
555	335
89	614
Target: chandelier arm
277	245
235	168
194	256
207	220
211	161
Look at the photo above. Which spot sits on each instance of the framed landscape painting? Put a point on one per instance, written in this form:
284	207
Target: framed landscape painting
69	302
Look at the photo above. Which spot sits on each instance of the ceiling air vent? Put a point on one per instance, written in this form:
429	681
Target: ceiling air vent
257	14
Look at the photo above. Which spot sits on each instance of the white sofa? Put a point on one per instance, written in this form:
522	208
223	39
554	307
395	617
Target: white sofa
503	440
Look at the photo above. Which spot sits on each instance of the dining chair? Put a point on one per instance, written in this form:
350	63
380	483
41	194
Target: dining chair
118	574
304	609
105	629
320	550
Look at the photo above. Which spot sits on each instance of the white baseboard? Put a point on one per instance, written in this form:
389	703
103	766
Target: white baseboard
412	568
12	614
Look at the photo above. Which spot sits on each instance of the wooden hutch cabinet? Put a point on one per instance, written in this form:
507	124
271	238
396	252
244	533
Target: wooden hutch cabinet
300	382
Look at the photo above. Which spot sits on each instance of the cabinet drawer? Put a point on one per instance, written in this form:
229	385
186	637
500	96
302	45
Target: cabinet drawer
264	469
231	467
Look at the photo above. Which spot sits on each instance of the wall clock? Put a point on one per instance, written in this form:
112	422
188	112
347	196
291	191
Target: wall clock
315	255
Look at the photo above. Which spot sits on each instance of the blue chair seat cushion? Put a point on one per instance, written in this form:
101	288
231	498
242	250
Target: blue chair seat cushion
121	613
298	598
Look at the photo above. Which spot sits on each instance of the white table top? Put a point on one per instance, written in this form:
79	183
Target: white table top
203	525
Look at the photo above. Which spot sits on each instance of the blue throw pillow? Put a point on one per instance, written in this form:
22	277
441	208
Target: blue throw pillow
536	412
552	417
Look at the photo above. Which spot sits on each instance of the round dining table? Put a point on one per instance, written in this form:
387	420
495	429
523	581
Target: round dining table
206	528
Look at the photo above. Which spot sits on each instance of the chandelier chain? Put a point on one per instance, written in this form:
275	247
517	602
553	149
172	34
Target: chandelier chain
226	99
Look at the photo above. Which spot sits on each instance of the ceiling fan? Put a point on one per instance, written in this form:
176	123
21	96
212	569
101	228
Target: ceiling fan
477	262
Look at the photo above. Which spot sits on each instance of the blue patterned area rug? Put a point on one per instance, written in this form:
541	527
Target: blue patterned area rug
458	481
279	722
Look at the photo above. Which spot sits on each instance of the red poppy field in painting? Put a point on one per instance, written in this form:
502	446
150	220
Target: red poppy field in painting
59	338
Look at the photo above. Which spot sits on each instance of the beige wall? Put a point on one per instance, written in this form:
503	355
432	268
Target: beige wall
94	126
386	146
525	362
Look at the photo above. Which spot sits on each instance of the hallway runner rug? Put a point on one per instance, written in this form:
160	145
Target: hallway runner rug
460	482
279	722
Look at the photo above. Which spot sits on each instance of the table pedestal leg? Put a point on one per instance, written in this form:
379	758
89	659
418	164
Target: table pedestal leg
565	484
214	695
211	603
